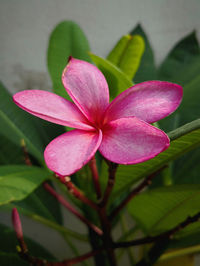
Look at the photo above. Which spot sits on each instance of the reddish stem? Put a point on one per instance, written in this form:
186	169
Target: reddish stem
67	205
77	193
95	177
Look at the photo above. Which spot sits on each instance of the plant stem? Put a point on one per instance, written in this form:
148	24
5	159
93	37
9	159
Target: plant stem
78	193
72	209
95	176
111	181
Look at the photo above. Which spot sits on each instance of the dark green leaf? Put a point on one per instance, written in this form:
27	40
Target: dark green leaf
18	181
16	125
10	153
179	57
147	69
67	39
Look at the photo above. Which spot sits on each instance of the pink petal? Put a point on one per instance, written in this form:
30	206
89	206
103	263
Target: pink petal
131	141
51	107
149	101
87	87
71	151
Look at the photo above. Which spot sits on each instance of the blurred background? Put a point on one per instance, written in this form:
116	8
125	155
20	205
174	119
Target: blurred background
25	27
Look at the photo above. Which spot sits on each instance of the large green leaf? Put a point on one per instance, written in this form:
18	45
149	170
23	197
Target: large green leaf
17	125
183	139
163	208
67	39
117	80
8	253
18	181
182	66
127	54
180	56
10	153
147	69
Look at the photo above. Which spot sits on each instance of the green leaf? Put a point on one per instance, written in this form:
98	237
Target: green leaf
8	253
67	39
42	203
17	125
161	209
183	139
10	153
18	181
182	66
127	54
117	80
147	69
180	56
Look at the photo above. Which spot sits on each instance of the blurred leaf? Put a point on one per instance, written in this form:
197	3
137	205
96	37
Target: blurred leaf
8	253
127	54
187	260
180	56
10	153
182	66
16	124
67	39
42	203
18	181
161	209
117	80
183	139
147	69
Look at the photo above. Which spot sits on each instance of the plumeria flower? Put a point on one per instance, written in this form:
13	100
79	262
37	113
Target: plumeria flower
120	130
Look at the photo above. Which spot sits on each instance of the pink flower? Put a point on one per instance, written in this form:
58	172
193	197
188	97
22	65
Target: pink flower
120	130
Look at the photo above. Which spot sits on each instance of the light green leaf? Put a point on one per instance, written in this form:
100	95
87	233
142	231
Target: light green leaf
183	139
117	80
163	208
127	54
147	69
67	39
18	181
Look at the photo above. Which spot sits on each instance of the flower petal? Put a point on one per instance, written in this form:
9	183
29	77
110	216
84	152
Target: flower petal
51	107
72	150
131	141
87	87
149	101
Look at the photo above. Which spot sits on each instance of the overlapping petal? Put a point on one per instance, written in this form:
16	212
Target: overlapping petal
149	101
51	107
71	151
87	87
131	141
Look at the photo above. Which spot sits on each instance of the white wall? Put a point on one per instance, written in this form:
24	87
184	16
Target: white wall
25	26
